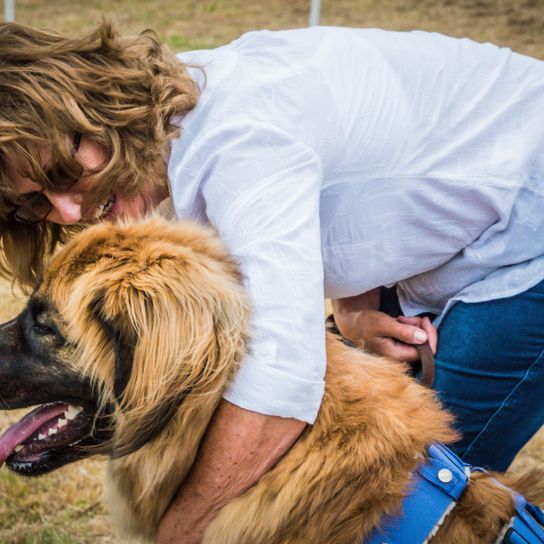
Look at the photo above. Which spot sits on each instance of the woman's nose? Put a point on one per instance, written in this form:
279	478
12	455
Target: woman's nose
66	207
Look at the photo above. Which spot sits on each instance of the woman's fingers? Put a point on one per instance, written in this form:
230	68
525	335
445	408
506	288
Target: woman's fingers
386	335
426	325
432	333
397	350
409	320
407	333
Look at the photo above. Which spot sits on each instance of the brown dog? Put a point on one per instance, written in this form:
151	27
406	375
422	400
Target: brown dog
131	339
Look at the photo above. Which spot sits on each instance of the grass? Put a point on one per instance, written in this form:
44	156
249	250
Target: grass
206	23
65	507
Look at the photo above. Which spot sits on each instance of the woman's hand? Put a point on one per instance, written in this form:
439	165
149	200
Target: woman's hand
358	320
426	325
238	448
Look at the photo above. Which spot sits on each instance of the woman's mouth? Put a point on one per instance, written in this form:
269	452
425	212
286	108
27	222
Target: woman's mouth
102	211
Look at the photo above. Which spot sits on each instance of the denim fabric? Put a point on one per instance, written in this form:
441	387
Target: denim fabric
490	374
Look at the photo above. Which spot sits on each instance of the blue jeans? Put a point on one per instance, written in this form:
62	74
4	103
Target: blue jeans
490	375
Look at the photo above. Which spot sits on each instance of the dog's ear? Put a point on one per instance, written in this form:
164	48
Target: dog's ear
123	347
124	343
167	323
123	350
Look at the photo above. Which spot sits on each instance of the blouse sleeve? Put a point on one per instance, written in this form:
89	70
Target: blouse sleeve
261	189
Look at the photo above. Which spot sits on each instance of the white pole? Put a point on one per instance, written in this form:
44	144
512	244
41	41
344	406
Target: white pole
315	10
9	10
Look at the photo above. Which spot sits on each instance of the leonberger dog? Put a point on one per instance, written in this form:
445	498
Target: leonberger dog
128	345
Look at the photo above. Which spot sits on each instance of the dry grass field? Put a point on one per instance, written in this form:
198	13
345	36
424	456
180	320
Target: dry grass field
65	507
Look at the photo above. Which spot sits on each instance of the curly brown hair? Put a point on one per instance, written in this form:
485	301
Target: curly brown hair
125	93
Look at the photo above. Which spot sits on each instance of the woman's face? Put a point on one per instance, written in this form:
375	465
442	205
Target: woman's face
70	206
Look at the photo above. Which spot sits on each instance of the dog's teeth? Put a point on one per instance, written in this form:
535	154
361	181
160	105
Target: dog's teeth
53	431
41	436
72	412
18	448
62	422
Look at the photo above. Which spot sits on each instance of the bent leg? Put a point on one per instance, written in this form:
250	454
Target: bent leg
490	374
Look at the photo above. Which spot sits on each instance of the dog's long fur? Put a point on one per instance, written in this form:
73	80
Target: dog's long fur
160	323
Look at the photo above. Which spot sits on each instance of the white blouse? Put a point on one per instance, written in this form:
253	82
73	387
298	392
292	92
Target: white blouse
333	161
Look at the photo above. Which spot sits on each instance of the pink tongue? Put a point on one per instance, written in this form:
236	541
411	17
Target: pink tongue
26	427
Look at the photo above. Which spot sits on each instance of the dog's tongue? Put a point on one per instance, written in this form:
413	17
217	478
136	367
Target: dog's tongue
26	427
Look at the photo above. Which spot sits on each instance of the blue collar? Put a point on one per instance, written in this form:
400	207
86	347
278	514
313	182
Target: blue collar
527	526
436	486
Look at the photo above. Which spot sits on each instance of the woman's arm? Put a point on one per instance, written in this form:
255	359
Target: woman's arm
359	320
239	447
261	188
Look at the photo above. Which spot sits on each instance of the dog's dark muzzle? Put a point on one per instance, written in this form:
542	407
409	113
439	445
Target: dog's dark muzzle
64	427
29	376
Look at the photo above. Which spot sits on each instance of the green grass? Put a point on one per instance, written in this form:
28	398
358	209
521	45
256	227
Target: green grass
181	43
203	23
63	507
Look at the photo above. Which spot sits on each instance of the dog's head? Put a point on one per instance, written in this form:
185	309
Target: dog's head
131	324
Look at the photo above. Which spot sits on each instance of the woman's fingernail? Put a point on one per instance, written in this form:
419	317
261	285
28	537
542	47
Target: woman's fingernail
420	337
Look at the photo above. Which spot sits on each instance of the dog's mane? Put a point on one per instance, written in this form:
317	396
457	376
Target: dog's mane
167	300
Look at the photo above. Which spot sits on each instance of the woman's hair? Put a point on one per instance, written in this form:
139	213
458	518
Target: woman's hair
125	93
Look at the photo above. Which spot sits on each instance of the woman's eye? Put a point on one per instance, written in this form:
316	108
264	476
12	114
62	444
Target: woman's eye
24	198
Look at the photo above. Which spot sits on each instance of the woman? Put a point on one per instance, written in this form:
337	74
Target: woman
332	162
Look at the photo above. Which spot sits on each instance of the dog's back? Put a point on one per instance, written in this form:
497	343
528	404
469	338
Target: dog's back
351	467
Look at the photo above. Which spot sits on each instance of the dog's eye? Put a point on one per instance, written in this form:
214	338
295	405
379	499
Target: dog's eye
44	330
